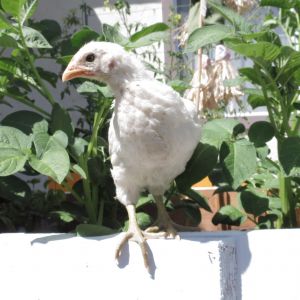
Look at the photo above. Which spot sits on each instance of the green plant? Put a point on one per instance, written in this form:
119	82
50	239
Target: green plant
41	141
268	190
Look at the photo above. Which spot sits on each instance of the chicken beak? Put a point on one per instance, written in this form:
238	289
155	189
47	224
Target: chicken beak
72	72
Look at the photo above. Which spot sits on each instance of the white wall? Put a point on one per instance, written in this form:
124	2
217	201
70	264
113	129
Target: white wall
255	265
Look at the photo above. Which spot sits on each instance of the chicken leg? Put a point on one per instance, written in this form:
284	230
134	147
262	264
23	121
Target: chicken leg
135	234
165	223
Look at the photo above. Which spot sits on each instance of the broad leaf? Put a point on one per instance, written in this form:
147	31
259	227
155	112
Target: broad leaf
239	161
50	29
217	131
54	163
89	87
235	19
289	156
198	167
34	39
13	7
143	219
200	200
6	41
61	120
263	50
144	200
77	169
4	23
51	157
208	35
229	215
148	35
261	132
14	150
253	203
22	119
112	34
78	148
83	36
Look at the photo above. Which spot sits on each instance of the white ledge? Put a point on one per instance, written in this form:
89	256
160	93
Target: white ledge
224	265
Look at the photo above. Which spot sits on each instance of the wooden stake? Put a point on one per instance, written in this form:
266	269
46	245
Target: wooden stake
200	23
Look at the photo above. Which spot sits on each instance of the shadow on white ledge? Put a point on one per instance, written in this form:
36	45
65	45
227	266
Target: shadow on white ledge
225	265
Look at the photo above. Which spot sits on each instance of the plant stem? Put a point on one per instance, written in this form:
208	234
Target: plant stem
287	203
46	92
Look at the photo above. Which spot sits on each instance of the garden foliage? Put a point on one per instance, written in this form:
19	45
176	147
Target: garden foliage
38	141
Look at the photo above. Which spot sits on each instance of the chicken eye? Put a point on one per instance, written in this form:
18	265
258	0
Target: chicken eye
90	57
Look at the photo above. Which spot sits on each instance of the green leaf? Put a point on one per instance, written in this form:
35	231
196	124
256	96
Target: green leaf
50	29
83	36
40	127
79	146
77	169
229	215
198	167
144	200
179	85
263	50
13	7
34	39
61	138
208	35
51	158
28	10
256	101
112	34
64	216
94	230
148	35
13	188
89	87
6	41
289	156
14	150
9	66
54	163
261	132
217	131
22	120
251	73
61	120
199	199
239	22
64	60
279	3
253	203
143	219
238	161
4	23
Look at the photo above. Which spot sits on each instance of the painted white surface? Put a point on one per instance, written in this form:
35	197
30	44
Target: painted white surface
64	267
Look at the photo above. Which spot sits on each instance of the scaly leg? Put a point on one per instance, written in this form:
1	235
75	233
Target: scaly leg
165	223
135	234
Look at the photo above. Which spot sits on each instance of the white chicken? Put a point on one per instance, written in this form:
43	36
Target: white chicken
152	134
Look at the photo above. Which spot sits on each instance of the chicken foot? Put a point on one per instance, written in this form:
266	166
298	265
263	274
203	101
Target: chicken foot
135	234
